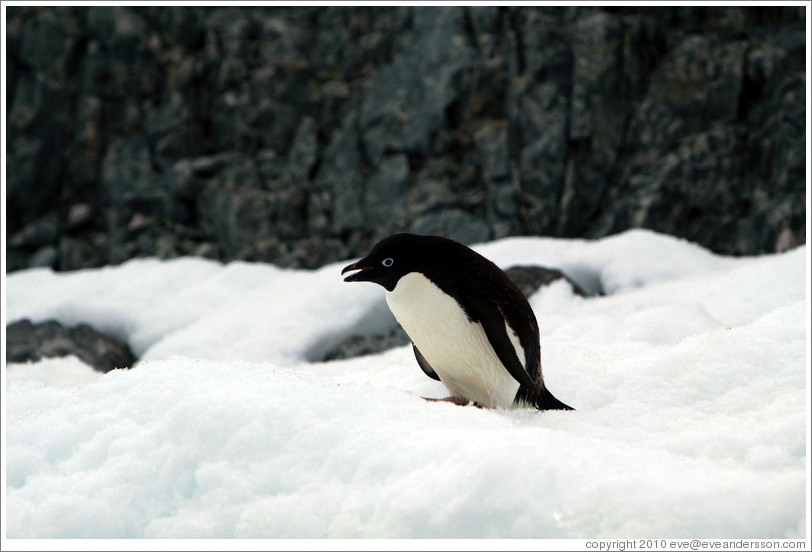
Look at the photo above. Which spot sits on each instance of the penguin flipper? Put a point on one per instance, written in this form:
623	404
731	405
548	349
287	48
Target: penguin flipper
424	364
490	318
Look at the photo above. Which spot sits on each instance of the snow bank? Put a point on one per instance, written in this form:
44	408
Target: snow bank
689	379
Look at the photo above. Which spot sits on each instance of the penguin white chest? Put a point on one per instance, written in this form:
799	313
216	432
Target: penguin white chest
457	349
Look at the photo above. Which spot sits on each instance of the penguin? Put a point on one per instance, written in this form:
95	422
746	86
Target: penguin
471	327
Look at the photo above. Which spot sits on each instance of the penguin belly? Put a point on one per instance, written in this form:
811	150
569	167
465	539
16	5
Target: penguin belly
457	349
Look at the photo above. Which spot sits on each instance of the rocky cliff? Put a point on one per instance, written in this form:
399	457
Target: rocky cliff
301	135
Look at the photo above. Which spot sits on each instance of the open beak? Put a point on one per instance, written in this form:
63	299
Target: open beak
356	276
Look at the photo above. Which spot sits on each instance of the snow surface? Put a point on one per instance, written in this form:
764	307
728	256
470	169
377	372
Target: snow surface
688	376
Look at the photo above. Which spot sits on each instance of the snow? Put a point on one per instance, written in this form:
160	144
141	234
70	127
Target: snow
689	376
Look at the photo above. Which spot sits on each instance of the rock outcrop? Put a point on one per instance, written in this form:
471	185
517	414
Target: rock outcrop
28	342
302	135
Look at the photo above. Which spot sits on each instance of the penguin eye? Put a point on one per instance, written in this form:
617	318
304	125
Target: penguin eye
388	262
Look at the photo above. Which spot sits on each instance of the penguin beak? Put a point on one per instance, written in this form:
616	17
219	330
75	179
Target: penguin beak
357	276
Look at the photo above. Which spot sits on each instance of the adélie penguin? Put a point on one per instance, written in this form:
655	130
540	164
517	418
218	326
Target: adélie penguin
471	328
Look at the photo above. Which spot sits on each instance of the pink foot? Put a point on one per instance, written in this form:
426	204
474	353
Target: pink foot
455	400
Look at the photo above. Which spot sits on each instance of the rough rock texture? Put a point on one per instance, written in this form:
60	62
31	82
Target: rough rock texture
31	342
301	135
528	278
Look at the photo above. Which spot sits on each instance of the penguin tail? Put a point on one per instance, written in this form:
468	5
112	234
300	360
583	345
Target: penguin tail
546	401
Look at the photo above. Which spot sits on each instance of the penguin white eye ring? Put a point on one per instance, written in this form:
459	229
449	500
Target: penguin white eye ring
471	328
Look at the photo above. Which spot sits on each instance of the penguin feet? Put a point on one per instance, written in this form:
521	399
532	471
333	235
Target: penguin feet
455	400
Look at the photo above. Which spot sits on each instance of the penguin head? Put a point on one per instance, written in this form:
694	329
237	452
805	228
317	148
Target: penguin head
389	260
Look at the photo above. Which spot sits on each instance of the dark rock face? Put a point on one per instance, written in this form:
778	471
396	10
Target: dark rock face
31	342
529	279
302	135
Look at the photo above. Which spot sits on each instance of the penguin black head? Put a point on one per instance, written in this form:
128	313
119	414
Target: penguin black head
390	259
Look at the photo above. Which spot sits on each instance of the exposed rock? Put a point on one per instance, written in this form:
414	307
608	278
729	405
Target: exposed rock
79	216
26	342
384	192
368	344
43	231
529	279
44	257
302	135
341	172
455	224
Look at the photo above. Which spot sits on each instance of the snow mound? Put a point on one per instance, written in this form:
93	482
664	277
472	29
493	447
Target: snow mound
688	375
